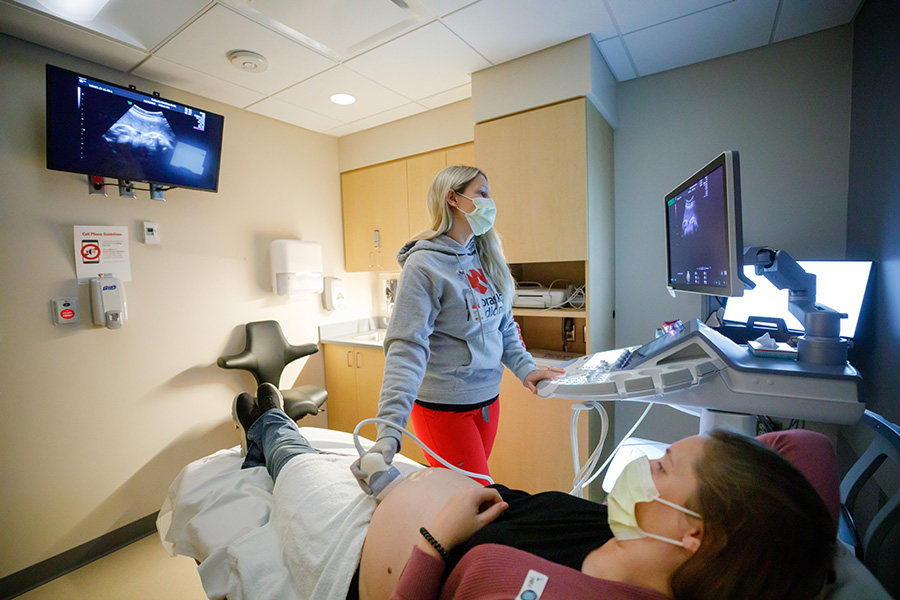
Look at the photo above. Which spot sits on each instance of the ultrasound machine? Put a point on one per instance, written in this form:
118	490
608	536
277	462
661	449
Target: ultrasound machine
695	367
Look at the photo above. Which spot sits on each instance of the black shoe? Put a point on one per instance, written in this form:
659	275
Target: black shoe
244	411
268	397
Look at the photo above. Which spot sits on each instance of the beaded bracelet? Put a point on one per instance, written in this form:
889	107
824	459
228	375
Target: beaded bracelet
437	546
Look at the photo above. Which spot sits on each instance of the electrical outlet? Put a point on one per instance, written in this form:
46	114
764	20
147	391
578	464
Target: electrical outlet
568	329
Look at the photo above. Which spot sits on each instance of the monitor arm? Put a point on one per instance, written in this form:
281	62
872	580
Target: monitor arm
821	343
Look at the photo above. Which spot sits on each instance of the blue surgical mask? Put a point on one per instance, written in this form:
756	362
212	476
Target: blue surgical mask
482	218
634	485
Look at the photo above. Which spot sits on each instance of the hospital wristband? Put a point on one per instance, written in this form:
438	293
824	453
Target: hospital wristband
437	546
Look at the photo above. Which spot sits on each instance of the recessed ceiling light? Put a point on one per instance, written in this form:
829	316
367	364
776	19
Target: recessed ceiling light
245	60
77	10
343	99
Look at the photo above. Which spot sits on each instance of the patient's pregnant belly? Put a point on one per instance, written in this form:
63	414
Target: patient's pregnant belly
394	529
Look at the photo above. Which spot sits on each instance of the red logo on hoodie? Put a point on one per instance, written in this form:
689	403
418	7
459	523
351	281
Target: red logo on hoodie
477	280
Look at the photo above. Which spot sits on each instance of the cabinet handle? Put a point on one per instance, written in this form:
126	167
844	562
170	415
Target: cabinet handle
349	352
358	361
377	239
371	262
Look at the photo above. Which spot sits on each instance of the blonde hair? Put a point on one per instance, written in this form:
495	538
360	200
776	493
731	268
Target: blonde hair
489	246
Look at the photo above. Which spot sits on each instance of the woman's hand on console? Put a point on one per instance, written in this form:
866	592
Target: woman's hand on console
532	379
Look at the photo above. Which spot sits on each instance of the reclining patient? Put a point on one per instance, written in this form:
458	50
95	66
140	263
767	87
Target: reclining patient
720	516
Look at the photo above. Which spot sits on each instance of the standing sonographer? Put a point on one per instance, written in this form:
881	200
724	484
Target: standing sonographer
452	330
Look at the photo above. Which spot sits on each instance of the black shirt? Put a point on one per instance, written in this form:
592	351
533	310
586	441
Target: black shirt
553	525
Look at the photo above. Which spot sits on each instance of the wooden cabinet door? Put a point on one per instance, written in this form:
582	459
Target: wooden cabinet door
536	163
376	216
533	448
340	381
420	171
461	155
369	374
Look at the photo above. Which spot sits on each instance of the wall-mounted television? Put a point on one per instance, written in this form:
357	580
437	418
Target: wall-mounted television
99	128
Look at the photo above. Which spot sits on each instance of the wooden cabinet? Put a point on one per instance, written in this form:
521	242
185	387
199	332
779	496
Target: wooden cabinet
353	378
536	163
384	205
551	174
420	171
533	449
375	213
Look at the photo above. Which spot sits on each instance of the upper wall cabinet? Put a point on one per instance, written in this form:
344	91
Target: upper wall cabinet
551	173
420	170
384	205
375	216
536	163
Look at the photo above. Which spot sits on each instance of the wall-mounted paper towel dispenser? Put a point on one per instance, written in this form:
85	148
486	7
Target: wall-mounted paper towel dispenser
296	267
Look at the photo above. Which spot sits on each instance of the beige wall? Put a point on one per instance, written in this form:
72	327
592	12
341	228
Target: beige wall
96	423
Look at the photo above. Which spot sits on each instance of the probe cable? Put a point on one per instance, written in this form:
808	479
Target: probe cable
393	425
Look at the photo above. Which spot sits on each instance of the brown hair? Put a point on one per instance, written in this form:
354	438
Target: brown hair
766	531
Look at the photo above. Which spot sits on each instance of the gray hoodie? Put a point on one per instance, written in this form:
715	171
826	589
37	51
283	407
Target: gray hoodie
450	333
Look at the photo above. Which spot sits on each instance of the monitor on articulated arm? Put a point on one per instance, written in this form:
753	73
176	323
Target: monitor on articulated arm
704	242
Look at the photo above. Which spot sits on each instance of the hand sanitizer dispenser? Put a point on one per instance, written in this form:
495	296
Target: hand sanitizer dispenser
296	267
108	303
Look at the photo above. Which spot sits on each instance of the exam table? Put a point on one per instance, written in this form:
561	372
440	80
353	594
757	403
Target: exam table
213	504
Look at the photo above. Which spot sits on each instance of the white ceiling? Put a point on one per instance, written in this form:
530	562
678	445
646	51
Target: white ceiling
398	57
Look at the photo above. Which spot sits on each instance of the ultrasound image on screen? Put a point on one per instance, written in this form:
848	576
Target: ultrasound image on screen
697	233
141	139
102	129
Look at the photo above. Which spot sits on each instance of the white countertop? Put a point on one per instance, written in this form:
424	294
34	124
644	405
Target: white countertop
363	332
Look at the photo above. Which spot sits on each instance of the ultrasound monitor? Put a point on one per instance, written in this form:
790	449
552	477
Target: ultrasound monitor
99	128
704	242
840	285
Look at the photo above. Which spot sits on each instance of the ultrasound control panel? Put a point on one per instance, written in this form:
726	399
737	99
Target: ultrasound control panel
698	367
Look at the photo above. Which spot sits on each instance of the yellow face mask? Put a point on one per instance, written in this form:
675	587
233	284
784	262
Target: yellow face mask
634	485
481	219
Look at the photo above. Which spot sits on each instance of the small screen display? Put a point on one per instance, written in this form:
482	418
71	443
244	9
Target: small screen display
696	219
98	128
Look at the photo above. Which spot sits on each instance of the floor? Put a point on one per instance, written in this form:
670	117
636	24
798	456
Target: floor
139	571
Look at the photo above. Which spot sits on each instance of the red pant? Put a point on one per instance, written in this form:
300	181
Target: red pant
463	439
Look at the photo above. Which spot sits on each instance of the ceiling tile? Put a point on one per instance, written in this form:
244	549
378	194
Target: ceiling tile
387	116
797	19
448	97
342	130
440	8
502	30
54	33
337	25
282	111
631	15
149	23
204	46
189	80
613	51
314	94
421	63
733	27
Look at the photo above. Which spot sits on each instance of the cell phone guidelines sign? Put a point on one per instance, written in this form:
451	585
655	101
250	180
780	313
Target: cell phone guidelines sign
101	250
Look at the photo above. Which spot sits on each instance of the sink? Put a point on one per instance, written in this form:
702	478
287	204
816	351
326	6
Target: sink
370	336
